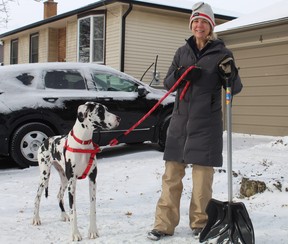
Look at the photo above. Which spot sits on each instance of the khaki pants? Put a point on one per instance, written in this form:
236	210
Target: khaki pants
167	214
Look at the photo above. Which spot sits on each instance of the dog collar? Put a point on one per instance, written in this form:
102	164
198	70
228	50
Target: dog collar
79	140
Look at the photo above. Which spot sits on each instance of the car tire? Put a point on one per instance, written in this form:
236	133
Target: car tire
163	134
26	141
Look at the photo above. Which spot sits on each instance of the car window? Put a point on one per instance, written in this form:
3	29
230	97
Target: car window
108	82
59	79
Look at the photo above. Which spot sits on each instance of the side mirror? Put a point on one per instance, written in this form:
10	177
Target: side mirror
142	92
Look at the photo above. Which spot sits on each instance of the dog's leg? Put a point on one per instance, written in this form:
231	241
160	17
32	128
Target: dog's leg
93	231
45	168
63	187
76	236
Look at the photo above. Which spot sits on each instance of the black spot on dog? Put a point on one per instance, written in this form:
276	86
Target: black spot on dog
46	192
69	170
90	106
55	153
61	205
92	175
45	145
80	117
101	112
70	196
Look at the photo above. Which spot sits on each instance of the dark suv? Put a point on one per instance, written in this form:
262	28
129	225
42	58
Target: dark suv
40	100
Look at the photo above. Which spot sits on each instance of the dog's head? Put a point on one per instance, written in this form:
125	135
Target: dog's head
96	115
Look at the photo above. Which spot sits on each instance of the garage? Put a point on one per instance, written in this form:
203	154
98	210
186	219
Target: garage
260	48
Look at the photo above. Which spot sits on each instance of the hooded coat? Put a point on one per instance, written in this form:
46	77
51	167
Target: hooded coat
195	133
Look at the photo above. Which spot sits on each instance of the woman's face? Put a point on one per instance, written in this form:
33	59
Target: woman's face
201	28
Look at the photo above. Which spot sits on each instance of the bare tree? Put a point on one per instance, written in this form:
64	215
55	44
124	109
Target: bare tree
4	10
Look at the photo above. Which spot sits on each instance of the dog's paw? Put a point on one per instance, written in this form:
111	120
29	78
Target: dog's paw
76	236
36	221
65	217
93	234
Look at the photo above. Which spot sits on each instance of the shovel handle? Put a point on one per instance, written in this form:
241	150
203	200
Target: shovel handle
229	138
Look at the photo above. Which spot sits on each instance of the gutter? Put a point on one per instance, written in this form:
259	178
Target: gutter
123	37
98	4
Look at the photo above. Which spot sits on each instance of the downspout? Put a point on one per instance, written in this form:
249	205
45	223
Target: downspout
123	37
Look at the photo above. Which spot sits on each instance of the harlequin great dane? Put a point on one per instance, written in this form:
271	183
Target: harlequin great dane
73	156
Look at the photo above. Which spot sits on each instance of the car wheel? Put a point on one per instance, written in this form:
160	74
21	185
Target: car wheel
26	141
163	134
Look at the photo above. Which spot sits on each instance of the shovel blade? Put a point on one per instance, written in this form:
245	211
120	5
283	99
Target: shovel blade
228	222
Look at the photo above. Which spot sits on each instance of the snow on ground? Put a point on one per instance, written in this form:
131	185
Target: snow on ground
129	186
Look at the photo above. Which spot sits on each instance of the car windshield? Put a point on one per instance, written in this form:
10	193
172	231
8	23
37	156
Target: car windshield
109	82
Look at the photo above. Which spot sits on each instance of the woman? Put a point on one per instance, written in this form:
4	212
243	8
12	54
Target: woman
195	131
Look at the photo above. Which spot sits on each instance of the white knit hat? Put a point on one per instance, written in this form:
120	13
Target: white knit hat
204	11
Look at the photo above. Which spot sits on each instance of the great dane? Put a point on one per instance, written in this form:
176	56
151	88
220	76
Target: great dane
73	156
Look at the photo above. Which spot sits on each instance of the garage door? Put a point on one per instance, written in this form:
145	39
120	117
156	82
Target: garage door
262	106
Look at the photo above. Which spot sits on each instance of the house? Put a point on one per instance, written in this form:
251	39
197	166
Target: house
259	42
128	35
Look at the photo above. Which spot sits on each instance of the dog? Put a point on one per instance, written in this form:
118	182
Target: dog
73	156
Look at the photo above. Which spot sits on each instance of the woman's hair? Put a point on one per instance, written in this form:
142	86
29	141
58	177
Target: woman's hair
212	36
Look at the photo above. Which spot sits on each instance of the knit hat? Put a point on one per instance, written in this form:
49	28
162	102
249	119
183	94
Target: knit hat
204	11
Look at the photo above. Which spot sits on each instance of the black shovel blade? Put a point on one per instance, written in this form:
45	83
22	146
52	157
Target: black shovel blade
228	222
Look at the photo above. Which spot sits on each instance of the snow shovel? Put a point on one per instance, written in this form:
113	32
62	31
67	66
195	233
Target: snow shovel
228	222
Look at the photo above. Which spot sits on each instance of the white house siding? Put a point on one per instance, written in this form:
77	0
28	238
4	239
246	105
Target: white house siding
6	52
113	36
71	41
150	33
23	42
262	55
53	45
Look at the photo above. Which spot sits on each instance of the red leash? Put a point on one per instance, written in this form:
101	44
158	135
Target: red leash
115	141
92	152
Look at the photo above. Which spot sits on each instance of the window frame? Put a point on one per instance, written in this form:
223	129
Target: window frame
14	51
91	38
33	55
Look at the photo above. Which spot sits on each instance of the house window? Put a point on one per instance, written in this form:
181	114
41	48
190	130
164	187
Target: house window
34	48
14	52
91	39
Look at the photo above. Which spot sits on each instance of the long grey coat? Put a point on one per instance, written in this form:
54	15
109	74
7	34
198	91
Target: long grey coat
196	127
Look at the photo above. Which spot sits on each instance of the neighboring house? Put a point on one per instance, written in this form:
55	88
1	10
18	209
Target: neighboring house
259	42
126	35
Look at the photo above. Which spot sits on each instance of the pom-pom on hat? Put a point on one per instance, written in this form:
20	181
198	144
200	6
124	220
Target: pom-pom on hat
204	11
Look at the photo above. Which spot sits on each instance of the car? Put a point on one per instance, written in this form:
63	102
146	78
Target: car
38	100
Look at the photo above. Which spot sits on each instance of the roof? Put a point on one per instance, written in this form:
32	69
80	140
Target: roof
272	14
179	6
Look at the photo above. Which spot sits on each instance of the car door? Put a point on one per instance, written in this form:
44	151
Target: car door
120	94
67	89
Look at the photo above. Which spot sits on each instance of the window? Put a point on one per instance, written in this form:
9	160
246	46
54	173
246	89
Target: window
108	82
66	79
14	52
91	39
34	47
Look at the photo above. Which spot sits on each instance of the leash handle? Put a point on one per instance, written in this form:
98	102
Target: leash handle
115	141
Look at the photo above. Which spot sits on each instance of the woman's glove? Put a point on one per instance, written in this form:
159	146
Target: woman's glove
227	68
193	74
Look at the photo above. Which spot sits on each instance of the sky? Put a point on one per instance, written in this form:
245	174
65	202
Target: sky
24	12
128	188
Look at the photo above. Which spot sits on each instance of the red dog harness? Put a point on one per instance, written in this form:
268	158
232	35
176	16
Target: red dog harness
77	150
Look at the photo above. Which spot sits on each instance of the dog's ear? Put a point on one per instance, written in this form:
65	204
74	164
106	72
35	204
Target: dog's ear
90	106
82	112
